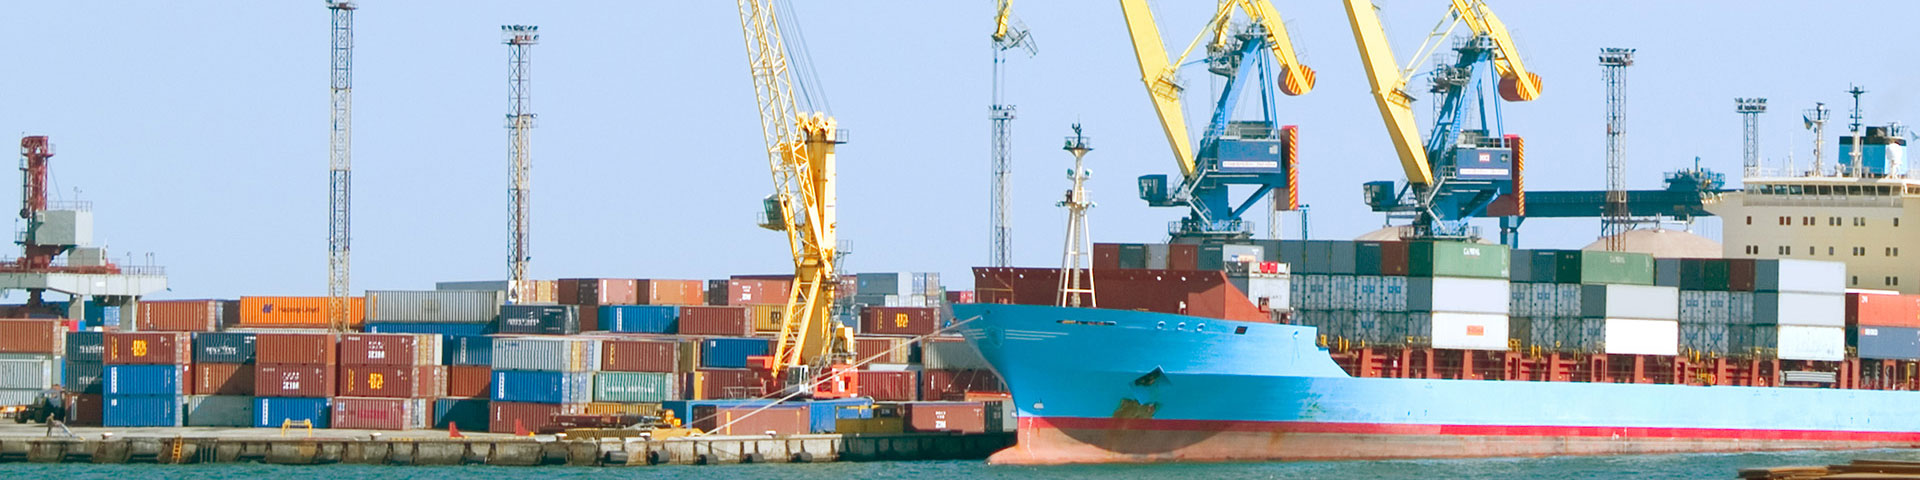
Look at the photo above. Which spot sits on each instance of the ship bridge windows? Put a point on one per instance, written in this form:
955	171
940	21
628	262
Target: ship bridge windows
1785	250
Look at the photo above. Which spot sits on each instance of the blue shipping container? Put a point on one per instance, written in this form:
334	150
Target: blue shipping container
827	412
1886	343
100	315
683	409
468	414
640	318
731	352
142	411
210	347
145	379
469	350
542	387
83	377
272	412
85	347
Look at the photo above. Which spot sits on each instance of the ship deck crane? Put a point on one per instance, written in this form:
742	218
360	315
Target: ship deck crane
811	348
1456	173
1258	153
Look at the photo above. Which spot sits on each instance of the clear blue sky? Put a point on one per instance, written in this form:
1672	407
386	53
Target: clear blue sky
199	129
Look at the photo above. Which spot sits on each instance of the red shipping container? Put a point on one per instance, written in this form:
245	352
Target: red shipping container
671	292
469	381
271	380
1393	258
1740	274
712	383
1106	256
527	416
749	291
1202	294
955	384
85	410
959	296
589	318
223	379
729	321
1883	310
598	291
296	348
387	381
397	349
148	348
624	355
786	419
898	320
895	386
33	336
381	413
955	417
887	349
188	315
1183	256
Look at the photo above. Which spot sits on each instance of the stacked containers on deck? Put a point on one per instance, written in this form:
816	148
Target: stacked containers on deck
1884	325
187	315
224	372
30	358
82	376
462	314
1356	291
1798	310
294	381
635	375
1716	302
387	380
1457	294
1575	301
146	379
588	293
535	378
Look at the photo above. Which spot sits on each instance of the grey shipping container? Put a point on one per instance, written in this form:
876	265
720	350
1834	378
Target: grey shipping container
82	377
219	411
1714	338
1666	272
1885	343
434	306
1157	256
1581	335
28	370
546	354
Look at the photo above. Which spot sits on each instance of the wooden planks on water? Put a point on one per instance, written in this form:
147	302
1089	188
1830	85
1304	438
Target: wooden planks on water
1857	470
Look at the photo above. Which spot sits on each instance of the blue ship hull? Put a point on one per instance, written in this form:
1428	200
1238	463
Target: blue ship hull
1096	386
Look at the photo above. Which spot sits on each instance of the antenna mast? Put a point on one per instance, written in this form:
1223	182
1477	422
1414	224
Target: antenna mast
1613	64
340	167
519	40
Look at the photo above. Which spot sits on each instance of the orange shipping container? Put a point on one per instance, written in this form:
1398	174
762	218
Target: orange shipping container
672	292
296	311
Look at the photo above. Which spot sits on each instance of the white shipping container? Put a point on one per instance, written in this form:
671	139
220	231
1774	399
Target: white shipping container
1630	301
437	306
1464	295
1797	342
1469	331
1810	276
1643	337
1810	309
1273	290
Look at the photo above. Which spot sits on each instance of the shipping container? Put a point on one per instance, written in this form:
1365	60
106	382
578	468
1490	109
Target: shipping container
1183	257
223	379
724	321
546	354
883	283
542	387
1885	343
1456	294
670	292
598	291
1876	309
296	348
460	413
1457	259
219	411
442	329
883	349
871	426
469	350
731	352
284	380
639	318
779	419
1630	301
683	409
84	377
33	336
899	321
1157	254
85	347
395	349
745	291
634	355
279	412
1792	308
720	383
148	348
188	315
946	417
143	411
766	318
390	381
539	319
611	408
1464	331
1799	342
381	413
1742	274
1805	276
470	381
956	384
434	306
510	417
1602	267
1706	338
96	314
895	386
85	410
146	380
635	387
1132	256
951	354
296	311
1106	256
1642	337
29	371
212	347
826	414
1705	274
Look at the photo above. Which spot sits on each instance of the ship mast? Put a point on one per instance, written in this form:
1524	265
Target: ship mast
1079	248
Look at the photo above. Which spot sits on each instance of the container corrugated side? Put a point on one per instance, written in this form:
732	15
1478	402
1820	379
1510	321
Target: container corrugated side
546	354
542	387
85	347
895	386
639	318
297	348
1642	337
781	419
381	413
745	291
219	411
469	350
462	413
296	311
275	412
143	411
957	384
187	315
948	417
271	380
469	381
1630	301
84	377
731	352
443	329
507	417
210	347
148	348
724	320
146	380
29	371
633	355
1799	342
223	379
437	306
1600	267
1881	309
391	381
32	336
1885	343
395	349
883	349
540	319
635	387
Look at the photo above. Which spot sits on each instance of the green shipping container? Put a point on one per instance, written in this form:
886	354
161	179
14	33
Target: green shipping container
1457	259
633	387
1616	268
1133	256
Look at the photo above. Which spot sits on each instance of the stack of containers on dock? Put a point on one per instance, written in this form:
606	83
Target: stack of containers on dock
635	376
1576	301
463	314
146	379
720	368
187	315
30	358
764	296
224	372
588	294
1799	310
82	376
387	381
448	313
294	381
296	312
469	362
535	378
1884	325
953	369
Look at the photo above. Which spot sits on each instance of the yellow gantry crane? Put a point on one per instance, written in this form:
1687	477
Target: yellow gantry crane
800	151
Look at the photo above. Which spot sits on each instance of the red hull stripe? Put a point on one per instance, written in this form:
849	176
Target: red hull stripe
1082	423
